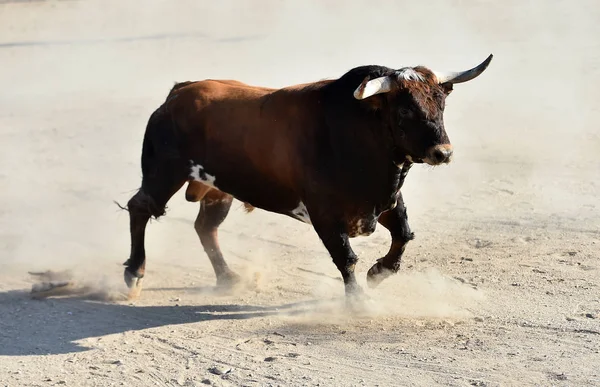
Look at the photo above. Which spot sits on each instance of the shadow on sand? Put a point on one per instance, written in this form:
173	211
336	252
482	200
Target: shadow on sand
53	325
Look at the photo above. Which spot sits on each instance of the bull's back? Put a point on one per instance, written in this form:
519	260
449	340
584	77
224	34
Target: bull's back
243	135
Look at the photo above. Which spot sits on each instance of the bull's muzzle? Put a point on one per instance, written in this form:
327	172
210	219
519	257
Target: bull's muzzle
439	154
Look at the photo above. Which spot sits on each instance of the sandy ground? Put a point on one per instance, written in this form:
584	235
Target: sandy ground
501	286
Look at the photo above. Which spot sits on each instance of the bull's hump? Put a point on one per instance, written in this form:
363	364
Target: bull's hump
228	89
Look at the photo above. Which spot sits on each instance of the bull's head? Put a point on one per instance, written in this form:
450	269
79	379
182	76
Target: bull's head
415	100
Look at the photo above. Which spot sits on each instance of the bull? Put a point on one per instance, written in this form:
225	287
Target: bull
332	154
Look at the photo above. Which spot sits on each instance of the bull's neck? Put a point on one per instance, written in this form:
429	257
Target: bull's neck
364	161
361	148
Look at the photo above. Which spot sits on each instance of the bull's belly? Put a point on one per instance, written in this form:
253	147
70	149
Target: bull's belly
270	196
256	191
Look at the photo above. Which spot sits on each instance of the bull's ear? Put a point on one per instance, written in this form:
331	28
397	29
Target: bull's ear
369	88
447	87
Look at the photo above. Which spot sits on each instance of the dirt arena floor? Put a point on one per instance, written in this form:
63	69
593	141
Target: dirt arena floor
499	288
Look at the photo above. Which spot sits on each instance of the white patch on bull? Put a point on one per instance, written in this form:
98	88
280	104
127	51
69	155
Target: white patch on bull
301	213
198	173
409	74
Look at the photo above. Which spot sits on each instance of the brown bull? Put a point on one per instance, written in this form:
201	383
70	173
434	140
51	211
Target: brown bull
332	154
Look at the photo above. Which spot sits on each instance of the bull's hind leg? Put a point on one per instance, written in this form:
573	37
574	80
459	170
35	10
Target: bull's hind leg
150	200
396	221
214	208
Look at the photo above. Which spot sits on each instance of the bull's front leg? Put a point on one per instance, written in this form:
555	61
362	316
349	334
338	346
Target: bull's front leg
396	221
337	242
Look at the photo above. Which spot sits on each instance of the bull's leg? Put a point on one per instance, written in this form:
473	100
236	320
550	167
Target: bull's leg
214	208
150	200
138	218
337	243
395	220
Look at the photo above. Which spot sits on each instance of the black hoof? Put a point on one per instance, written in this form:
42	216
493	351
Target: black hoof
134	283
131	280
376	274
353	291
357	301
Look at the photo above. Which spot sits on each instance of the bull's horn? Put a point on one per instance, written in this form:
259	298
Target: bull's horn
374	86
463	76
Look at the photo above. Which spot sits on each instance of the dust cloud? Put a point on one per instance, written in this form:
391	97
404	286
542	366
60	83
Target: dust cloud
426	295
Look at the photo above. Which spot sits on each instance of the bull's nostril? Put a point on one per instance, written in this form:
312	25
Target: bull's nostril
439	155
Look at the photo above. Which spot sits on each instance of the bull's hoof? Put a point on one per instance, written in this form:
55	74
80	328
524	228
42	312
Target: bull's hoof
376	274
134	283
357	301
353	290
228	280
131	279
